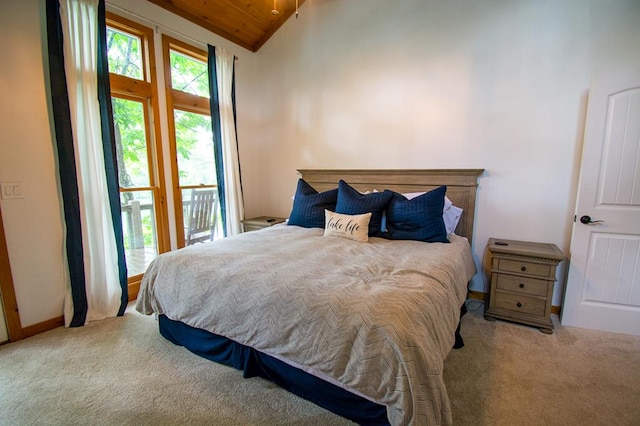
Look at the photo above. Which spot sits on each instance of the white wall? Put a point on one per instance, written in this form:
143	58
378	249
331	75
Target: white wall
497	84
33	225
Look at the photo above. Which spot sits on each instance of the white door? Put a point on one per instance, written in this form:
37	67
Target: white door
603	287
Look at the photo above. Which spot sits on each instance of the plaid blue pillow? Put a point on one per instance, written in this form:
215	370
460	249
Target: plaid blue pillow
309	205
350	201
418	219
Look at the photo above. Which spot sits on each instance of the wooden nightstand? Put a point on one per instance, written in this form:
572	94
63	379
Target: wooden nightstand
260	222
522	279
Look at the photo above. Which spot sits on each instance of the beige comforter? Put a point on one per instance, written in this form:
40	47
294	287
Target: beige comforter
376	318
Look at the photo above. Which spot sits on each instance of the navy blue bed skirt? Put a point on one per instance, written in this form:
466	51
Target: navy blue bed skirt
254	363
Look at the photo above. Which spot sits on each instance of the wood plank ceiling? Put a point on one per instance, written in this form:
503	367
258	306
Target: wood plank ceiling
248	23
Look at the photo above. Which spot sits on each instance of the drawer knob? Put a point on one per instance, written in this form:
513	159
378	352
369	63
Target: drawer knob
519	305
521	285
524	268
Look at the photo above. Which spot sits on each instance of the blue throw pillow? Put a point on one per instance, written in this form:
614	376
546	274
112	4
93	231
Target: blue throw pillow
418	219
309	205
350	201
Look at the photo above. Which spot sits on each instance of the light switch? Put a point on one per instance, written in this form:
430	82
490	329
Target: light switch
11	190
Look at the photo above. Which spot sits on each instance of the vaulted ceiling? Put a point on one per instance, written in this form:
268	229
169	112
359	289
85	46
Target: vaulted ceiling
248	23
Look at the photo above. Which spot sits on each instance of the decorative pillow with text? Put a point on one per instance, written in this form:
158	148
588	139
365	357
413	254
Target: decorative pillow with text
352	227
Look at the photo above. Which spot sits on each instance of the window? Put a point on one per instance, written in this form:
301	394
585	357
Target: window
125	53
138	134
139	157
188	74
190	137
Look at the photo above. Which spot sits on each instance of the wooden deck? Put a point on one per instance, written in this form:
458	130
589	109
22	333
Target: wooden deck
138	259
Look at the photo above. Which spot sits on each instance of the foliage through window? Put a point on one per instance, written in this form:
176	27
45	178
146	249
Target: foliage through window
131	145
125	54
194	144
189	74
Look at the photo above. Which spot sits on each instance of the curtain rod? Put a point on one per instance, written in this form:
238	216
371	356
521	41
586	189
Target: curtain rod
157	25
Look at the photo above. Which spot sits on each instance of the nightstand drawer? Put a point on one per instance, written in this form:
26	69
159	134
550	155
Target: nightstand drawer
521	284
509	265
519	303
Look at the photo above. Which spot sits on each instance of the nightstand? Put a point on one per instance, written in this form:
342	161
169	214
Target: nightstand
522	279
260	222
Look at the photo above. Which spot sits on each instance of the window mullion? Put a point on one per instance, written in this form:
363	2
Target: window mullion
190	102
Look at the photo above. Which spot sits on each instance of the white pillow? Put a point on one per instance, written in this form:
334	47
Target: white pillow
353	227
451	218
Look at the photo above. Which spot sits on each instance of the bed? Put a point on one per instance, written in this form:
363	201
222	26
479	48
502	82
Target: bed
361	329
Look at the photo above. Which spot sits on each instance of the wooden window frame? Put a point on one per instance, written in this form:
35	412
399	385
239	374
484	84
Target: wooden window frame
178	100
145	91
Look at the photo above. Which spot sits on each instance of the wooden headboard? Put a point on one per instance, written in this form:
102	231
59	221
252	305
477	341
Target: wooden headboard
461	185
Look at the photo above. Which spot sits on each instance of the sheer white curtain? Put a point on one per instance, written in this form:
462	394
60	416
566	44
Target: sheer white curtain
233	187
79	20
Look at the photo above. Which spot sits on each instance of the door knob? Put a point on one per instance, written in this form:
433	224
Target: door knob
587	220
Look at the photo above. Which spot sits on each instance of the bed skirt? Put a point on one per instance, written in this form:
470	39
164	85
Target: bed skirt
254	363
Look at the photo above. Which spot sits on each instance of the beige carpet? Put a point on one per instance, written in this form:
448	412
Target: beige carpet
120	371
